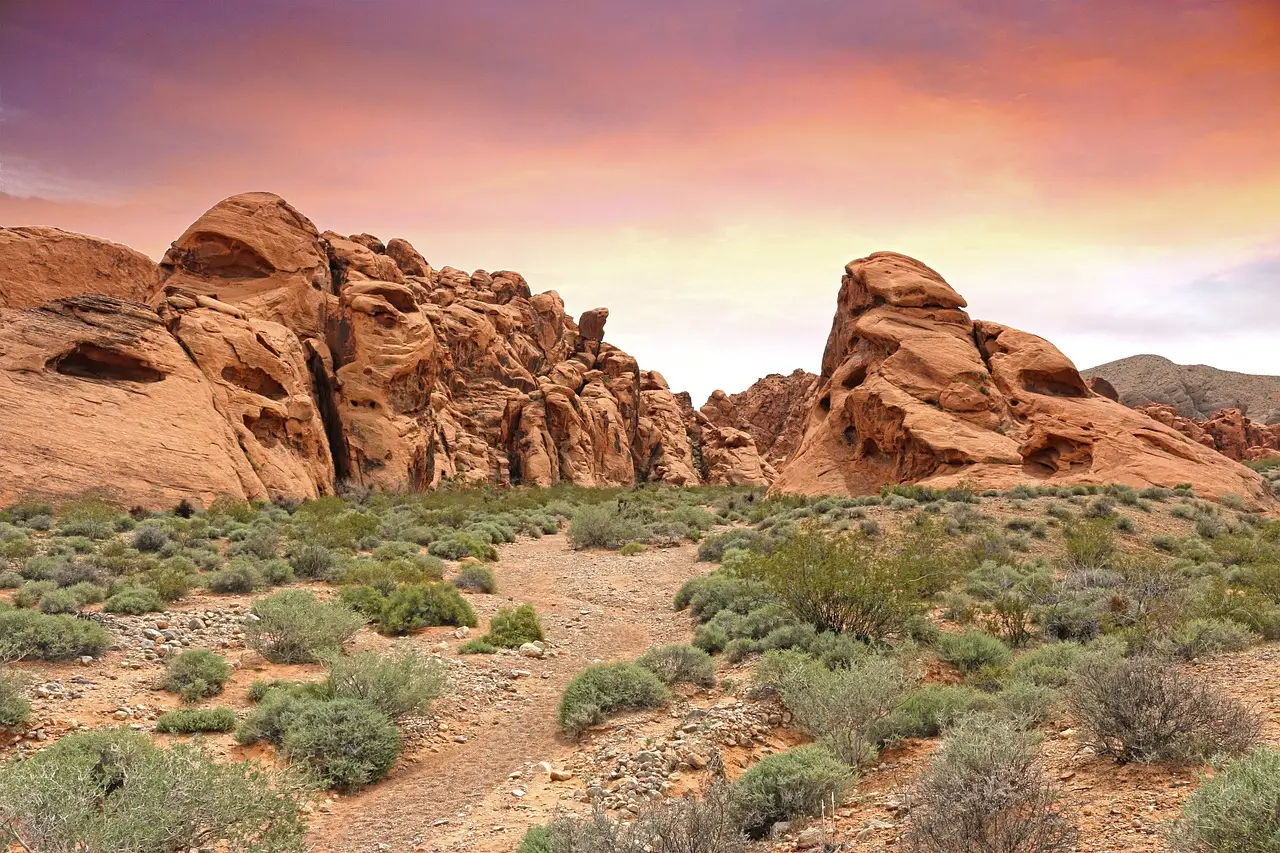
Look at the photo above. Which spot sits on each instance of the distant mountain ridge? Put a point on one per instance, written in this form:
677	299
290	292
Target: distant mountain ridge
1193	390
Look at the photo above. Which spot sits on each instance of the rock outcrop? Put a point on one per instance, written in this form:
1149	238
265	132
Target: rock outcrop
913	390
272	360
772	411
1229	432
1193	391
39	265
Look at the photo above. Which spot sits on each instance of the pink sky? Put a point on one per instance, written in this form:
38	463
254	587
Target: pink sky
1104	174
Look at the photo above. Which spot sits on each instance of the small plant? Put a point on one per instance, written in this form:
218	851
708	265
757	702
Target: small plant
476	578
14	708
1146	710
346	743
477	647
1203	638
29	635
1237	811
632	549
134	601
192	720
1090	544
787	785
313	561
972	651
238	577
604	526
984	791
196	674
605	689
512	627
412	606
293	626
397	685
926	711
679	665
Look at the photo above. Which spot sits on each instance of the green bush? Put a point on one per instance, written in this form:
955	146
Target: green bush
1203	638
113	790
150	538
364	600
459	545
604	526
713	548
512	627
786	785
192	720
985	791
845	709
632	549
28	635
293	626
1090	544
972	651
269	718
239	577
196	674
59	601
679	665
708	595
1237	811
14	708
844	584
134	601
30	593
172	579
397	685
313	561
477	647
412	606
476	578
605	689
345	743
929	709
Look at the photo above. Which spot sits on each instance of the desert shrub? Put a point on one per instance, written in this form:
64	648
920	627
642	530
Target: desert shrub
330	523
839	584
1048	666
134	601
680	664
985	791
173	578
712	549
397	685
293	626
269	718
59	601
345	743
972	651
313	561
1144	709
10	580
1126	524
631	549
1164	542
1090	544
601	690
1202	638
191	720
707	595
1237	811
511	627
240	576
459	545
150	538
195	674
92	518
477	578
1027	705
927	710
28	635
728	625
30	593
787	785
412	606
14	708
477	647
364	600
604	526
686	825
114	790
1209	527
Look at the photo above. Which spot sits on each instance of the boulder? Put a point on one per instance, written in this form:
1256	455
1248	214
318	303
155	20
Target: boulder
38	265
913	390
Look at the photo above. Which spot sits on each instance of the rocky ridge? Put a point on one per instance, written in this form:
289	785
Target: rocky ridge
913	390
1229	432
270	360
1193	391
772	412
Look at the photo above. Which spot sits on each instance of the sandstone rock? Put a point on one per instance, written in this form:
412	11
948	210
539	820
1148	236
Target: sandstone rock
355	261
97	394
1102	388
38	265
773	411
890	409
1228	431
255	251
407	258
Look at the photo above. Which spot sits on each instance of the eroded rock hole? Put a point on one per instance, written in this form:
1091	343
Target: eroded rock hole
89	361
256	380
1056	384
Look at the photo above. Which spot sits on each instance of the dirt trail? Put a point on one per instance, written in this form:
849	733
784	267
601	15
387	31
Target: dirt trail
594	606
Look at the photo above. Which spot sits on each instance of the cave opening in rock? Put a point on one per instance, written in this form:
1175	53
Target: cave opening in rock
90	361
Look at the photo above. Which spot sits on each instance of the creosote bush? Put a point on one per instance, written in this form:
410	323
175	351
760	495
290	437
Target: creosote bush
196	674
345	743
192	720
972	651
134	601
1147	710
680	665
29	635
412	606
398	685
787	785
984	791
476	578
113	790
293	626
604	526
605	689
1237	811
512	627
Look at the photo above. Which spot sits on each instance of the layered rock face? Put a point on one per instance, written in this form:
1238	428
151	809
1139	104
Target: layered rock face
272	360
913	390
773	412
1229	432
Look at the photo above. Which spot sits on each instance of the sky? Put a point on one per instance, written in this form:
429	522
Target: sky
1104	173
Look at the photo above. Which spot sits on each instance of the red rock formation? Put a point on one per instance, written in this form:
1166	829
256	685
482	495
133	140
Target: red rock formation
912	390
1102	388
309	360
38	265
773	411
1228	431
